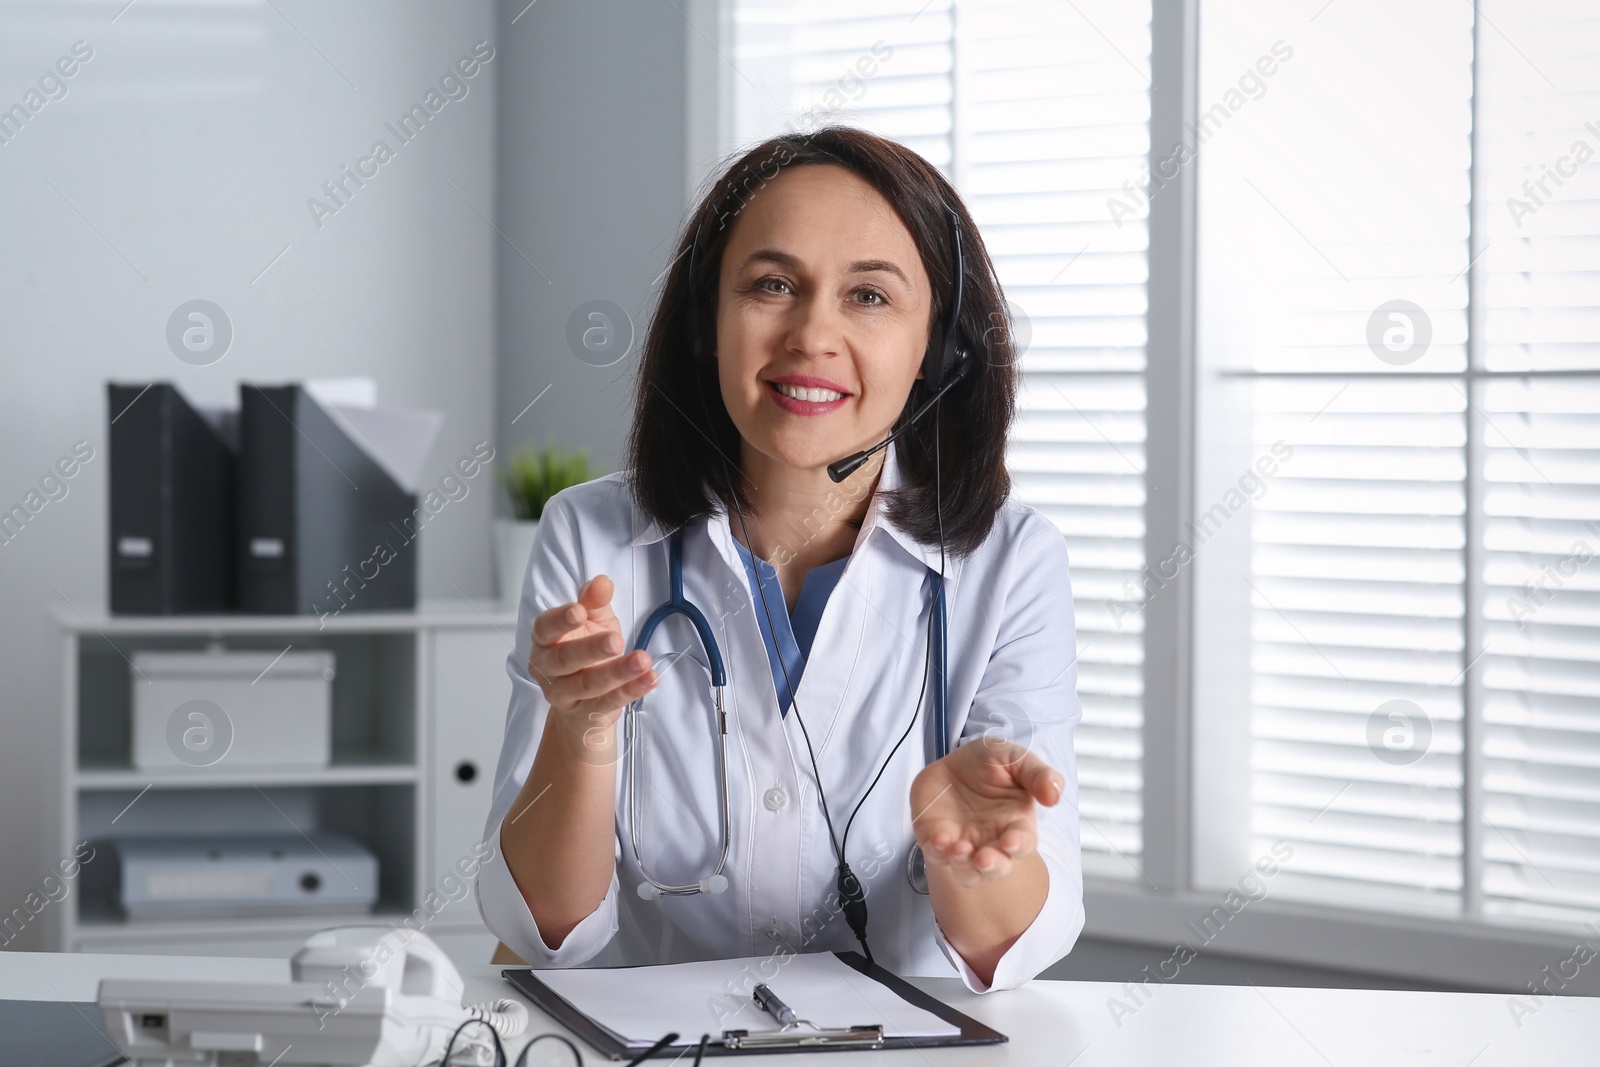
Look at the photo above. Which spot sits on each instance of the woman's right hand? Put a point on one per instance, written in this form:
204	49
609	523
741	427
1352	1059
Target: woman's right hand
577	661
562	856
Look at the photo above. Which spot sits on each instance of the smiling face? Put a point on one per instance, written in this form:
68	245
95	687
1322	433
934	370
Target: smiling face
821	287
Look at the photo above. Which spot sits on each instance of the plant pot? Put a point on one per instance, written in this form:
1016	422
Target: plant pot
513	545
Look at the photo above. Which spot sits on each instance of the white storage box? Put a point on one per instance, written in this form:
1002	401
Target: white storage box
232	709
241	876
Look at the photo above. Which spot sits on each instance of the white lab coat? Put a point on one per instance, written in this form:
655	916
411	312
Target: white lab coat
1012	651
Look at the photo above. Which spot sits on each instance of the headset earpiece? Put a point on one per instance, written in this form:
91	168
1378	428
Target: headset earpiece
948	357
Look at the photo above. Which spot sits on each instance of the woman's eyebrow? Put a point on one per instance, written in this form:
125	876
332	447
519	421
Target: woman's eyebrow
784	259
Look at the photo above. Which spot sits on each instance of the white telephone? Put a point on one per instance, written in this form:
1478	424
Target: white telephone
374	996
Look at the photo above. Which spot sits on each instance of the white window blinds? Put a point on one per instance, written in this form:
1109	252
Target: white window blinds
1038	112
1371	297
1539	92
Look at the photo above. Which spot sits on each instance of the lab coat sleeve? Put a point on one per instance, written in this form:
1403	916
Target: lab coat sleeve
1029	695
553	577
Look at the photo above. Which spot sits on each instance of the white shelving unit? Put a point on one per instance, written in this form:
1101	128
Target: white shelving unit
418	712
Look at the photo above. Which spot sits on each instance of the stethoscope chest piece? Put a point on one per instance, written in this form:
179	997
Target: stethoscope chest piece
917	870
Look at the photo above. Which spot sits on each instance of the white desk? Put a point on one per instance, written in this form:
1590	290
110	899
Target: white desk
1062	1024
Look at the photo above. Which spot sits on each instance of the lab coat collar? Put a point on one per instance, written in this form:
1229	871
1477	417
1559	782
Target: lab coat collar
877	517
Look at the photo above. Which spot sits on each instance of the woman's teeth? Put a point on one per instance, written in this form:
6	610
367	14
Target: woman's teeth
815	396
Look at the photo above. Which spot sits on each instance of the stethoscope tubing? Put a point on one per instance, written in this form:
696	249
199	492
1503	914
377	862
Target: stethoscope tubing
678	604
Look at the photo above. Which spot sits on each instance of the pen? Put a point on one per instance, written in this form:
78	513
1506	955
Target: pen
768	1002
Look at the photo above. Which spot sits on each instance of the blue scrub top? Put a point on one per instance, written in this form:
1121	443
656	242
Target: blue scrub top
796	631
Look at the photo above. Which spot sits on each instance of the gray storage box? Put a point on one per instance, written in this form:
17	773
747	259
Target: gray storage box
235	709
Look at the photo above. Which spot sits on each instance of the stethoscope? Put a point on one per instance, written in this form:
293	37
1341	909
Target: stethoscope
651	888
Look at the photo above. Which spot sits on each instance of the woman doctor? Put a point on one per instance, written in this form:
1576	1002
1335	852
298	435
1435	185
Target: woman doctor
822	273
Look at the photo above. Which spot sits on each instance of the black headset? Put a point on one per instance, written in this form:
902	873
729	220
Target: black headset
946	362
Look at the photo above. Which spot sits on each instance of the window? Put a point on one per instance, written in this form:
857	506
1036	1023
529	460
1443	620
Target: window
1037	112
1538	761
1400	636
1388	575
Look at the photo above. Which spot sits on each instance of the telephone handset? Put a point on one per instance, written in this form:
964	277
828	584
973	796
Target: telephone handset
373	996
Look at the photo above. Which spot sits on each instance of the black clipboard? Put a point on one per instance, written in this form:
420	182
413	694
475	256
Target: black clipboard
973	1032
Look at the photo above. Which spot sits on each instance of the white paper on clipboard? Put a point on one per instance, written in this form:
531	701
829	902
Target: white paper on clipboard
639	1005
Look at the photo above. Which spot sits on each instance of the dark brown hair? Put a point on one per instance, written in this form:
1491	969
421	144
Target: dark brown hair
682	433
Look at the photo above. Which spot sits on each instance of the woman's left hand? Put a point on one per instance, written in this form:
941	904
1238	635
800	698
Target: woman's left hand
973	810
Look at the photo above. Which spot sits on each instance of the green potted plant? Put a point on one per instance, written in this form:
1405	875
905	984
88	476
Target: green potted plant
531	476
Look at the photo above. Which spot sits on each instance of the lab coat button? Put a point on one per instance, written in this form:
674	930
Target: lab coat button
774	932
774	799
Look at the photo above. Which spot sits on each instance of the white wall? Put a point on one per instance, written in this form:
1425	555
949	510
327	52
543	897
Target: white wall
593	191
178	165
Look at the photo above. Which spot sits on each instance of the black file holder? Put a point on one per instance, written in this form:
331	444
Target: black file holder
172	489
322	527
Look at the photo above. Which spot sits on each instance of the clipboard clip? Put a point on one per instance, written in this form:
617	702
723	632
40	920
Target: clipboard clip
799	1037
